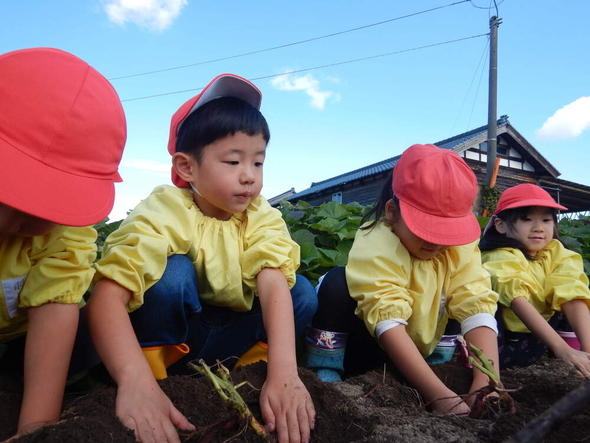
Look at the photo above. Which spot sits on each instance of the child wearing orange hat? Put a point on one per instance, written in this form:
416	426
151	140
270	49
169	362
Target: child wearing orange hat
411	268
62	133
206	269
536	278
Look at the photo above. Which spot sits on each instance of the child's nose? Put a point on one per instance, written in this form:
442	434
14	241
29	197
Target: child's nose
248	175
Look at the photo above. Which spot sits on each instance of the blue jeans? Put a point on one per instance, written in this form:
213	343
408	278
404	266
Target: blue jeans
173	313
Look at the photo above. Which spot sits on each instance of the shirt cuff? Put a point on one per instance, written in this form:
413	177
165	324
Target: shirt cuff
386	325
478	320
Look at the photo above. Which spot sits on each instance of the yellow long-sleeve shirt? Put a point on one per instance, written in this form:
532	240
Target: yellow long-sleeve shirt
227	255
554	277
388	283
51	268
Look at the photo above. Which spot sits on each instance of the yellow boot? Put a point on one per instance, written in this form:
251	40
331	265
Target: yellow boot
256	353
160	357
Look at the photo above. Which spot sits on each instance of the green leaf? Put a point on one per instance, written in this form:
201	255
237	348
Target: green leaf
303	236
309	253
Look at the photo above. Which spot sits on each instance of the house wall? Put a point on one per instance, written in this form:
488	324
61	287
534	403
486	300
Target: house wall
363	192
366	191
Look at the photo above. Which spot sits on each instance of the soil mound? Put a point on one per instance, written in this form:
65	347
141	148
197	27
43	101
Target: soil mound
374	407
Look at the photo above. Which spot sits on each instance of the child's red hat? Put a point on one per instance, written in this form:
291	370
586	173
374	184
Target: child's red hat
526	194
62	133
224	85
436	191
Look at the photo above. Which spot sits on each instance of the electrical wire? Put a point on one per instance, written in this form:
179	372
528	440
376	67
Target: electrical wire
475	99
319	67
489	7
287	44
479	65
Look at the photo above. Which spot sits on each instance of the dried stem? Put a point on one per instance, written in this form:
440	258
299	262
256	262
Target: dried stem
227	391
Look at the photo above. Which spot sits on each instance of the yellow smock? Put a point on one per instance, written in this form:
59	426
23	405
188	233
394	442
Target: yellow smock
51	268
228	255
554	277
388	283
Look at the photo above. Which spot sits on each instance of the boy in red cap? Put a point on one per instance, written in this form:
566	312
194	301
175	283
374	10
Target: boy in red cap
536	278
62	133
413	266
206	270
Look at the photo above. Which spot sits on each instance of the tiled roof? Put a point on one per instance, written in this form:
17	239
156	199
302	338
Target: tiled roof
388	164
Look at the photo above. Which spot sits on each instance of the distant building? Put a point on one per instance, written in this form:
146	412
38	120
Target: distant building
520	163
279	198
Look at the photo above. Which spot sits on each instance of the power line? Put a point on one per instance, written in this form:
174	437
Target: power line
479	64
320	67
489	7
288	44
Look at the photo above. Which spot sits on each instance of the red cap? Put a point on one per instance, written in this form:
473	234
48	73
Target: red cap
224	85
62	133
436	191
526	194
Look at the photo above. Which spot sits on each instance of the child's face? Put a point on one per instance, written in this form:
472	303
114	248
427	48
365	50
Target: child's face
416	246
535	232
15	222
229	176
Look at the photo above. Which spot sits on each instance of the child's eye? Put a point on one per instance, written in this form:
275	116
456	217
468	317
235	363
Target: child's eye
232	162
258	164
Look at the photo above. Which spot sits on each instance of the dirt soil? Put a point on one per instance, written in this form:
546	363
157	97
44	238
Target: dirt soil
374	407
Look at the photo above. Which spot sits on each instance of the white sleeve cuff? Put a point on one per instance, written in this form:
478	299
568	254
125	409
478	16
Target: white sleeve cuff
386	325
478	320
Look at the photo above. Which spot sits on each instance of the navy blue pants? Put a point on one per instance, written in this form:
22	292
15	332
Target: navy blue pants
173	313
523	348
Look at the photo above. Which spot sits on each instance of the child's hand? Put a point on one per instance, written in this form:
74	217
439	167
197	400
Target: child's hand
578	359
450	403
150	413
287	408
28	429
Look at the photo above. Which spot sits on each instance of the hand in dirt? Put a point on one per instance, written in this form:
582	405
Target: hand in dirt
287	408
578	359
150	413
451	405
29	429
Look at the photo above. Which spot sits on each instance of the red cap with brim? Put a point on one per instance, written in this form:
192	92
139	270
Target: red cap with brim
224	85
62	133
436	190
526	194
439	230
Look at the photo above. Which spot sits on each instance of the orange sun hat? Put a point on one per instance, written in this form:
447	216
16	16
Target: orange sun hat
436	191
62	134
224	85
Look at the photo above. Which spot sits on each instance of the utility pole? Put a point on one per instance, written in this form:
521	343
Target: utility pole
492	100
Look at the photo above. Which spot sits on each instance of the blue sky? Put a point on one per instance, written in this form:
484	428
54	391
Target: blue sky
340	116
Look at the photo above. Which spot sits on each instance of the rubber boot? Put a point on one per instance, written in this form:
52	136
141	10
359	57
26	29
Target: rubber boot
256	353
325	353
160	357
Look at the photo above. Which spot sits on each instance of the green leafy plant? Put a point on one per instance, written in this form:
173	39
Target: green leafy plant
104	229
575	234
489	197
325	234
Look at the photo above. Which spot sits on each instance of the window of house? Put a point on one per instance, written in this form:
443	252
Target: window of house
337	197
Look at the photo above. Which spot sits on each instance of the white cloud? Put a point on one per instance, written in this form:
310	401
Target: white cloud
153	14
307	84
148	166
123	204
567	122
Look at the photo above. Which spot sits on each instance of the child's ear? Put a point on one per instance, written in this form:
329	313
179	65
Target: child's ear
183	164
391	211
500	226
